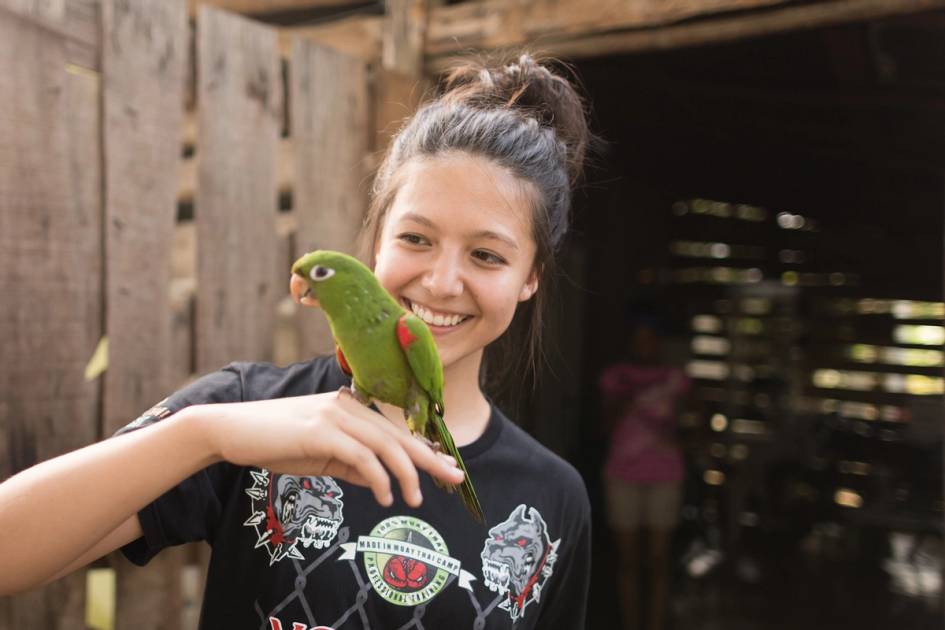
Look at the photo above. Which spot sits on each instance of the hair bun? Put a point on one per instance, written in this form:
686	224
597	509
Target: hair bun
530	86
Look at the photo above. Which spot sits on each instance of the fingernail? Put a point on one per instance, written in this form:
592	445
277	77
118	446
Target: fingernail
418	497
388	499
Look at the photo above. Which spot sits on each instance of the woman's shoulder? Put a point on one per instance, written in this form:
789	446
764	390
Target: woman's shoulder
537	459
261	380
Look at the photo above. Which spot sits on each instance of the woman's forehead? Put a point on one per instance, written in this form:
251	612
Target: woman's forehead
464	189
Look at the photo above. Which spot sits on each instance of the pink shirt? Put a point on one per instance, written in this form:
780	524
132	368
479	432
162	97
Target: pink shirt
642	447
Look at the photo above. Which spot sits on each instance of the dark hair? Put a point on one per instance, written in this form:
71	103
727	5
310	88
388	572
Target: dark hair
526	118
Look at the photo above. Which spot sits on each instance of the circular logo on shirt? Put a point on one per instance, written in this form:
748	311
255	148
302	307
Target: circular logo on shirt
406	560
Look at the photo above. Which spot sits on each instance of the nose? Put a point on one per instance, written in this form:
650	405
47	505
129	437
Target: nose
445	278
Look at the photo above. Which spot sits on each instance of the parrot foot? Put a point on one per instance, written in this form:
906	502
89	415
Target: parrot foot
436	447
354	393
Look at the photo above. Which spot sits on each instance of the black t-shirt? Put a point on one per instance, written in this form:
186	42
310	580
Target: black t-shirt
299	553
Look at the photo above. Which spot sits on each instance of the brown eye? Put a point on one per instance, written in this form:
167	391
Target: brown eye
319	273
413	239
488	257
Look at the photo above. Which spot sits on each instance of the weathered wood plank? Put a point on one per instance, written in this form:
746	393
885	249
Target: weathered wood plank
358	36
329	104
252	7
143	62
395	97
728	28
49	10
239	97
405	25
183	297
492	24
50	274
285	171
650	26
150	597
76	22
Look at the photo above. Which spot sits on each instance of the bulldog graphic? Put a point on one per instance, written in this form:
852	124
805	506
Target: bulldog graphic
518	559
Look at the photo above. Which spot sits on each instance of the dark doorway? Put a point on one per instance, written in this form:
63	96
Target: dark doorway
778	203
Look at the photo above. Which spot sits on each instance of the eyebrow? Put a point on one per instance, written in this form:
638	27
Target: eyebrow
488	234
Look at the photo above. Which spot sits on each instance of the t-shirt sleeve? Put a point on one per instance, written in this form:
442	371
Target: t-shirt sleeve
566	604
189	511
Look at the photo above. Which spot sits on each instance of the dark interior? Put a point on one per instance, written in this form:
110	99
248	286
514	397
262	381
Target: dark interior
779	198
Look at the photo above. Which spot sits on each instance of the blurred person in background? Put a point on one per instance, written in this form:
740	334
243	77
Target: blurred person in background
641	398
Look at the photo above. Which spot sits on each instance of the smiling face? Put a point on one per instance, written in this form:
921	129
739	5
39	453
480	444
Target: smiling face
456	248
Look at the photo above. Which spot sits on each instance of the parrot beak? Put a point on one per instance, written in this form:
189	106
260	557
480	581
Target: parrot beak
301	293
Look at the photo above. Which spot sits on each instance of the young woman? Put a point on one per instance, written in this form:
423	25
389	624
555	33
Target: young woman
291	483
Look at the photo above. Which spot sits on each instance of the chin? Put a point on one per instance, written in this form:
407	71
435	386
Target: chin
452	359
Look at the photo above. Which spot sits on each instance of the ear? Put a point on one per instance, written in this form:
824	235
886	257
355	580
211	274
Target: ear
530	287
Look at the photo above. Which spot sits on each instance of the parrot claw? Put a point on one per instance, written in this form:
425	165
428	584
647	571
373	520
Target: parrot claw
436	447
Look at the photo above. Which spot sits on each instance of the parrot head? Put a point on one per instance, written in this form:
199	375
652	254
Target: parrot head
323	274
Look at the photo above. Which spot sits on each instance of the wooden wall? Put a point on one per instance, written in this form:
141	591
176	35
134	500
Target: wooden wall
143	161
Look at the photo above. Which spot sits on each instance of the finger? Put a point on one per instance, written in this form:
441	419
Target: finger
443	467
362	460
449	459
440	465
306	468
437	463
392	453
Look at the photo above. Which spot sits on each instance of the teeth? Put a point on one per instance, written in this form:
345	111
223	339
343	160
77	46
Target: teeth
435	319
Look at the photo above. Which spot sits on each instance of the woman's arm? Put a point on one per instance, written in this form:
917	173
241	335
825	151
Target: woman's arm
84	504
73	501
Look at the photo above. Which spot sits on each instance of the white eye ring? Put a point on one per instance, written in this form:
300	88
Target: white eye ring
319	273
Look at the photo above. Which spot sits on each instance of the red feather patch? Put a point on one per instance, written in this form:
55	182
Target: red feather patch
404	336
342	361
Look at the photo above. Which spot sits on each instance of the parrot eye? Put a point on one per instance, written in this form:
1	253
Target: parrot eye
319	273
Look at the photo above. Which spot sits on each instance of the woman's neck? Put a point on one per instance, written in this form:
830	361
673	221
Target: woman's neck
467	410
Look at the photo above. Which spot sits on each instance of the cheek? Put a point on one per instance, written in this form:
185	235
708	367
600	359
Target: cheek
388	270
382	273
501	301
393	283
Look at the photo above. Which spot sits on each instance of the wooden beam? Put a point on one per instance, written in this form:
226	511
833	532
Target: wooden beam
256	7
733	28
395	97
355	36
660	34
491	24
405	25
596	27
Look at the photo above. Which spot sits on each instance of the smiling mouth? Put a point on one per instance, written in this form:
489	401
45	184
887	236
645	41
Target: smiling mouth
435	318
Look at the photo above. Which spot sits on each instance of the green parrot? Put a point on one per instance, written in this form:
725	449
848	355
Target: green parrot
388	352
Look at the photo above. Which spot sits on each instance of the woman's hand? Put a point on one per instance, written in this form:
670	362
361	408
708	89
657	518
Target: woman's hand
324	434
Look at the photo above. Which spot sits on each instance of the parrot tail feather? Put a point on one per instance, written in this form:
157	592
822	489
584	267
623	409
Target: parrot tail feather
440	434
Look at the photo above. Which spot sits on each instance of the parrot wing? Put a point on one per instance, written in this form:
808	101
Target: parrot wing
417	343
416	340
